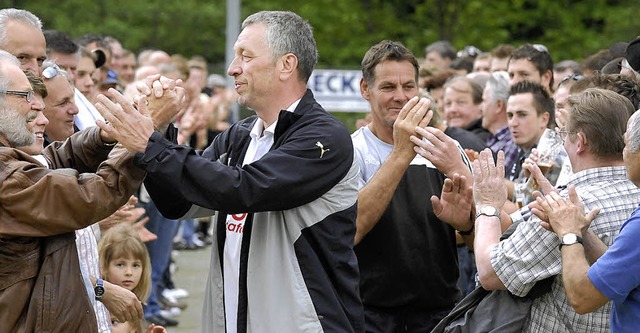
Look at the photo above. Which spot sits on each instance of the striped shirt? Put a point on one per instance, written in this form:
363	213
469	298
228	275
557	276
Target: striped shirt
87	245
532	253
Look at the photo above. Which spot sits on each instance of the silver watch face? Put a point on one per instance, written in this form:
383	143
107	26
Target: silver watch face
569	239
489	210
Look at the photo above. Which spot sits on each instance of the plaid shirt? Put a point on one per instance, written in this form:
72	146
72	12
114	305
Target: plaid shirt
503	140
532	254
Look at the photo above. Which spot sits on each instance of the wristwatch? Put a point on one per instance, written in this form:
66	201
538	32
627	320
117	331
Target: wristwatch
99	289
570	239
487	211
468	232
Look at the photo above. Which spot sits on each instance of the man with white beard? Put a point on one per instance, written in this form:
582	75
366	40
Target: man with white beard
40	208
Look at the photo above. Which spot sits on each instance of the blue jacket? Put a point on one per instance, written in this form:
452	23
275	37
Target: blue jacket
298	271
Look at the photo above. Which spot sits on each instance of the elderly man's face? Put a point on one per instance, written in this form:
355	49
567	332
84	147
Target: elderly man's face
459	108
27	43
438	61
253	68
60	108
127	69
16	112
66	61
38	124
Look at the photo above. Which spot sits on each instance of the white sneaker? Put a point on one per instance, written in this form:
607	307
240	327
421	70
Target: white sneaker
175	293
197	242
171	312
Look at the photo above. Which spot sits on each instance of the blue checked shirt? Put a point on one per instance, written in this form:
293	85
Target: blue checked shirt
532	253
503	140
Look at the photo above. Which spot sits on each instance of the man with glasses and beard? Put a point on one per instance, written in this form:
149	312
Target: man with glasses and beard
41	287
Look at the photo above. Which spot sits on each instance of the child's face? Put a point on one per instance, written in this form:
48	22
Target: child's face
118	327
125	272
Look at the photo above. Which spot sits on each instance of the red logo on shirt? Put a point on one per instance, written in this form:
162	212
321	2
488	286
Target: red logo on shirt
235	227
235	224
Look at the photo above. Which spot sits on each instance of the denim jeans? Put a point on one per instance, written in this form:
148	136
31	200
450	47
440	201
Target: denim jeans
188	230
467	269
159	253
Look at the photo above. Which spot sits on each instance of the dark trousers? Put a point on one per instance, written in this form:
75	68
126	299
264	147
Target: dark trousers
400	320
467	268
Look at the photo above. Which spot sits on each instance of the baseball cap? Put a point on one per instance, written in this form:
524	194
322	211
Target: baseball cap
112	78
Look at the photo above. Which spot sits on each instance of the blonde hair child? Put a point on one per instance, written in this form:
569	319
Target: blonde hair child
124	261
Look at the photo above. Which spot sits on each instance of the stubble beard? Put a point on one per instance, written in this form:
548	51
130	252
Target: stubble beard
14	126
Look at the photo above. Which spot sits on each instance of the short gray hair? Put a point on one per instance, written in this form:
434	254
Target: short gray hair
5	57
13	14
443	47
634	133
287	32
498	83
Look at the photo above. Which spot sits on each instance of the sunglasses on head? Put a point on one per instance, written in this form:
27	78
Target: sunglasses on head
51	71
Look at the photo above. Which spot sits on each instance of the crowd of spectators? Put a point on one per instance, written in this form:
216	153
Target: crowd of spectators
389	230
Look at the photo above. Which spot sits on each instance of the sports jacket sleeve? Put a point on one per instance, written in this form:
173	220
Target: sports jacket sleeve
295	171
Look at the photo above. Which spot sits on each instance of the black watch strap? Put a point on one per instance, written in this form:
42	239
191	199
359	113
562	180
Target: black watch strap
468	232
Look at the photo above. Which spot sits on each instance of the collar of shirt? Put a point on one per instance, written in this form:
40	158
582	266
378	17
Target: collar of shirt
258	130
586	176
503	133
262	138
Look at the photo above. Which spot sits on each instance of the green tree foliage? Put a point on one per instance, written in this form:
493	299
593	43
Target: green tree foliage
344	29
188	27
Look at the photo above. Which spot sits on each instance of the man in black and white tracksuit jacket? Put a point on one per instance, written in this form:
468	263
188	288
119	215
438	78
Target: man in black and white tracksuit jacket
283	184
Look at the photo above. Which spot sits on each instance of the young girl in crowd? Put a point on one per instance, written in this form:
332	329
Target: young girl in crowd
124	261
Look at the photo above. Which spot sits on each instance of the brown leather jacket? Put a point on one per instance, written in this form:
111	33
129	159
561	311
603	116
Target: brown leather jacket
41	288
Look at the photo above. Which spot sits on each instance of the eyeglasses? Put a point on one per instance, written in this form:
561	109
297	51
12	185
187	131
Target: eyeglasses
28	95
51	72
575	77
562	133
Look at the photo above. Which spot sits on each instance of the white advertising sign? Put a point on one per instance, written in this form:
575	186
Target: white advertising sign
338	90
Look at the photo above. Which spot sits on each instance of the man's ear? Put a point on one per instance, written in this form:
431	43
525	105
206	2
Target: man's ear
546	118
546	79
581	143
502	106
364	89
288	64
